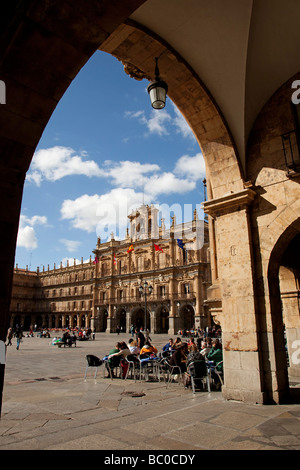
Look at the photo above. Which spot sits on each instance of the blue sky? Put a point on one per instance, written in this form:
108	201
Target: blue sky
104	151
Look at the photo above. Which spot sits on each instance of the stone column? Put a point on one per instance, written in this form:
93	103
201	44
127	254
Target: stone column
199	301
110	320
172	311
242	367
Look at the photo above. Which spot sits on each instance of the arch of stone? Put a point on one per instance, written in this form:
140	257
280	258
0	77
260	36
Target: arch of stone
253	208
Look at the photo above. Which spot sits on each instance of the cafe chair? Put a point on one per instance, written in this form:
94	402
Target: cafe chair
143	363
199	373
132	363
113	366
173	371
219	372
92	361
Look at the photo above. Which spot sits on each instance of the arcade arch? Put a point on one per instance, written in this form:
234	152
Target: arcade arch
248	214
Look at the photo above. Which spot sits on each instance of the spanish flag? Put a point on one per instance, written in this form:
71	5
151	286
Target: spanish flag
130	249
158	248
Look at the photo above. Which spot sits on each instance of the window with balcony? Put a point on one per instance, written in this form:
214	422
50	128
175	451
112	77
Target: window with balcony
291	144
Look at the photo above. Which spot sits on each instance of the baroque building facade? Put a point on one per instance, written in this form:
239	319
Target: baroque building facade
179	277
104	293
53	298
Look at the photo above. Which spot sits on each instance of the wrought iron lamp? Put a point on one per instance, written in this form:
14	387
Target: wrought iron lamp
157	90
144	290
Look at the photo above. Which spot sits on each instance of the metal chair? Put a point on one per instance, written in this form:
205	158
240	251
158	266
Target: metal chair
198	371
92	361
162	369
214	372
143	365
173	371
219	372
132	361
113	364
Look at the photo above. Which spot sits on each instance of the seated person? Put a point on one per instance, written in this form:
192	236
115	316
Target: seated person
112	362
216	355
177	343
66	338
168	346
179	357
132	345
192	347
148	349
123	352
204	350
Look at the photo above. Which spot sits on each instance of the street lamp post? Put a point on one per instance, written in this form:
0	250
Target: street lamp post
144	290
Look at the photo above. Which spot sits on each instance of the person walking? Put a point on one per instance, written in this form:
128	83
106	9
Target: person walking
19	336
9	336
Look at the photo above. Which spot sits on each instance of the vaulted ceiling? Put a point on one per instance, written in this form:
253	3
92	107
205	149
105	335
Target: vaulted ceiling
242	50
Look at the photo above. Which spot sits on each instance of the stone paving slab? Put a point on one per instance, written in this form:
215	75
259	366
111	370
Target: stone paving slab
47	405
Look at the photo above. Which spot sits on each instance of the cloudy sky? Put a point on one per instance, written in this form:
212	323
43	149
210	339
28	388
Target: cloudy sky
104	152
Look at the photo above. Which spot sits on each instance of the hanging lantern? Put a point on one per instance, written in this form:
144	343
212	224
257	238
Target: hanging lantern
157	90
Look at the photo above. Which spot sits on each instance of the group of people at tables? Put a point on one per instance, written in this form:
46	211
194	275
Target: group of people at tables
178	353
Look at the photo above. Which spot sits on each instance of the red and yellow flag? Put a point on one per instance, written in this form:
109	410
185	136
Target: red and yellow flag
130	249
157	248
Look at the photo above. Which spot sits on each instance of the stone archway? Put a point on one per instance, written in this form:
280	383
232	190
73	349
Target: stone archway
138	318
282	315
189	94
41	57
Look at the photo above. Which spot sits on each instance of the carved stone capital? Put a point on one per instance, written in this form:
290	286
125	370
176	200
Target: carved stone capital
230	202
133	71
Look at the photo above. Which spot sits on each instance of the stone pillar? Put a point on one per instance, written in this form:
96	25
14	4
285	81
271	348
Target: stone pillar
199	301
242	367
172	311
110	320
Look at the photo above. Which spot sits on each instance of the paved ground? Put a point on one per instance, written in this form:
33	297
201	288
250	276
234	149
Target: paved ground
47	405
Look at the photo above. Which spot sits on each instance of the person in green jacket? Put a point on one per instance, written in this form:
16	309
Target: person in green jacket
112	362
216	355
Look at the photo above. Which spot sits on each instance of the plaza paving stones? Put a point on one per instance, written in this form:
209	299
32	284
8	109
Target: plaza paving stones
47	405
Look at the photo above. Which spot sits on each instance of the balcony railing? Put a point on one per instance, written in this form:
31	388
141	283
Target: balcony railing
290	146
150	298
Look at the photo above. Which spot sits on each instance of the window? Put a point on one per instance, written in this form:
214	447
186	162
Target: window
186	288
162	291
291	143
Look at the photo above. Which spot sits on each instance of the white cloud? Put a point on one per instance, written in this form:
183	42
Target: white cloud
26	234
71	245
65	261
57	162
156	124
167	183
160	121
104	213
192	168
130	174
